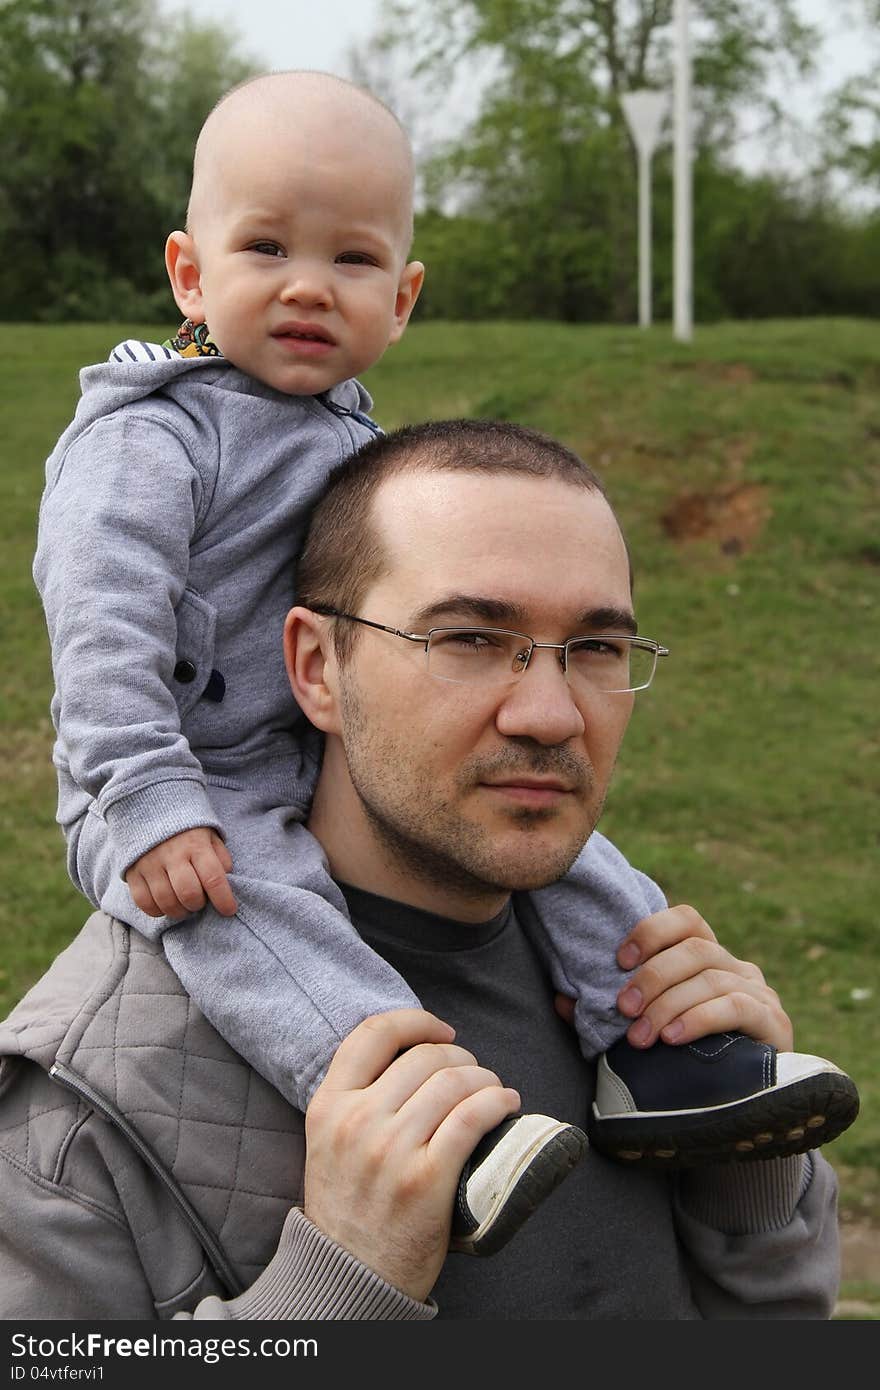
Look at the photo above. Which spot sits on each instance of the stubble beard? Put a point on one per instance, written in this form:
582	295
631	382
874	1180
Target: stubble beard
425	836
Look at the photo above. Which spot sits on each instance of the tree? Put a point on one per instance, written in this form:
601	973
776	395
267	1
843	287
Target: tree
547	157
97	123
851	131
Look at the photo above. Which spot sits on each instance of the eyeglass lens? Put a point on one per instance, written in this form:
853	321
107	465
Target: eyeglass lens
474	656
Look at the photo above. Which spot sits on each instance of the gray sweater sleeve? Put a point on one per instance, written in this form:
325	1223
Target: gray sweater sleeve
116	523
310	1277
763	1238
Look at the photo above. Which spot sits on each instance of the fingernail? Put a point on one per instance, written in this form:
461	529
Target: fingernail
630	1001
629	955
640	1032
672	1032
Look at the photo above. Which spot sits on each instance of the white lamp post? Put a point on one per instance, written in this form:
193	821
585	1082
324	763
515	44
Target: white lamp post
644	112
682	253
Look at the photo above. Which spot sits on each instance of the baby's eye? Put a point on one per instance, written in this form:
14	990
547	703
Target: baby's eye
266	248
356	258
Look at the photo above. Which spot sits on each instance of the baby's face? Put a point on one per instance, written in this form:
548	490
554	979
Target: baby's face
301	251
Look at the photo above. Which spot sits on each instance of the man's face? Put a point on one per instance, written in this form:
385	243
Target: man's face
467	789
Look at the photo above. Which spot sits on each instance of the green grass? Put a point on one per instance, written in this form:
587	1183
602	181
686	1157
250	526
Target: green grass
748	783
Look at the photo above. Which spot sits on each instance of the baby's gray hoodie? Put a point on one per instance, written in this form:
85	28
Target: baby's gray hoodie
174	507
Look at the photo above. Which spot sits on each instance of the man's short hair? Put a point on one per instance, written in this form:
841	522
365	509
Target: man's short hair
343	554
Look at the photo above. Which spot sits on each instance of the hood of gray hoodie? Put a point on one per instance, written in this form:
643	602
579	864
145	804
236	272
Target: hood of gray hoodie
109	386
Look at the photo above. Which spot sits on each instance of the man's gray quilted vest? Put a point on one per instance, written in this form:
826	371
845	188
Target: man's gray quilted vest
113	1020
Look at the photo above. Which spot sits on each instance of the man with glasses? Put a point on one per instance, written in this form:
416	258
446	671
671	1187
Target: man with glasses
466	644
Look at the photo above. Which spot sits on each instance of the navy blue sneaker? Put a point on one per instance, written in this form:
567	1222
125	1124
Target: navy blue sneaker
507	1177
724	1098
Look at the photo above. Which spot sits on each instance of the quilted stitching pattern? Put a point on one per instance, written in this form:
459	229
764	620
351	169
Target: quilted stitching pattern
230	1140
35	1132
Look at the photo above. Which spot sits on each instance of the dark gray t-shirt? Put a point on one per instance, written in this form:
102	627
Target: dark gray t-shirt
604	1244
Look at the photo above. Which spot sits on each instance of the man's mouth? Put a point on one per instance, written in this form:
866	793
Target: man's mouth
525	780
531	791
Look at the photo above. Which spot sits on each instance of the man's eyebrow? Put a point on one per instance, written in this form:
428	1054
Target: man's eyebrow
495	611
609	620
501	613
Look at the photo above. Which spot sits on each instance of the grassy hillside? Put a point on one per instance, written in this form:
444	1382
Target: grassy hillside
745	468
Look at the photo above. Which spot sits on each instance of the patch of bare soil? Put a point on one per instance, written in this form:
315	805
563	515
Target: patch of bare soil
733	514
737	373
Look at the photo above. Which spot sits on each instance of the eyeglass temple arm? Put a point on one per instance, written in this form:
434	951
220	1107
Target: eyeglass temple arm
328	612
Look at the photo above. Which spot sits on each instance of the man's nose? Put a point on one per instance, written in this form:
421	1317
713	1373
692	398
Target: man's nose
539	704
307	283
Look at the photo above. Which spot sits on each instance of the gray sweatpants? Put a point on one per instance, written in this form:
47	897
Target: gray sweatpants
288	977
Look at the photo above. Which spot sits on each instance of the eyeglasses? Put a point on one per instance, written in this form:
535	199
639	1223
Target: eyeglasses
611	662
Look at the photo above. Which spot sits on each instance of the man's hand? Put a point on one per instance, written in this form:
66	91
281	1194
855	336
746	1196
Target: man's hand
387	1134
688	985
181	874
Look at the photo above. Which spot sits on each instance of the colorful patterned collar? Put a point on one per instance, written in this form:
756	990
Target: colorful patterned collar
193	340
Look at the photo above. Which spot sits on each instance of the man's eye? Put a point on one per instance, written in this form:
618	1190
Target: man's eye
266	248
355	258
599	649
466	641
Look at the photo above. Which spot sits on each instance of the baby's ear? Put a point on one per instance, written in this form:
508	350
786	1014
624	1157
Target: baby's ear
181	262
407	293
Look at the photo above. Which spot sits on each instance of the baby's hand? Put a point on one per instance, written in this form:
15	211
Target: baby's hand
181	874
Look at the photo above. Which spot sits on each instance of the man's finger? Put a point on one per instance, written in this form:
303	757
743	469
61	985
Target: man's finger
403	1077
659	931
564	1006
457	1136
424	1111
676	965
701	989
373	1045
740	1012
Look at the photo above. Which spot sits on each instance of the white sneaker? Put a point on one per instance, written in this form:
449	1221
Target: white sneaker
507	1177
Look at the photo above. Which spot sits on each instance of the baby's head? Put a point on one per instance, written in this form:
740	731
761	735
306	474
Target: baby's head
298	231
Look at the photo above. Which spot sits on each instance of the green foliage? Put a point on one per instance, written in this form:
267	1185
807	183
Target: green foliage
98	117
761	250
474	267
764	250
851	130
615	45
532	211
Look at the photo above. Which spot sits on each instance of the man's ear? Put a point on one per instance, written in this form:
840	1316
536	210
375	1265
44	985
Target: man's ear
408	290
311	667
181	262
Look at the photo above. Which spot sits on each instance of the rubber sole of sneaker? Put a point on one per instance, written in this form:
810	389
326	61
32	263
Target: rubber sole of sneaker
772	1124
539	1173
